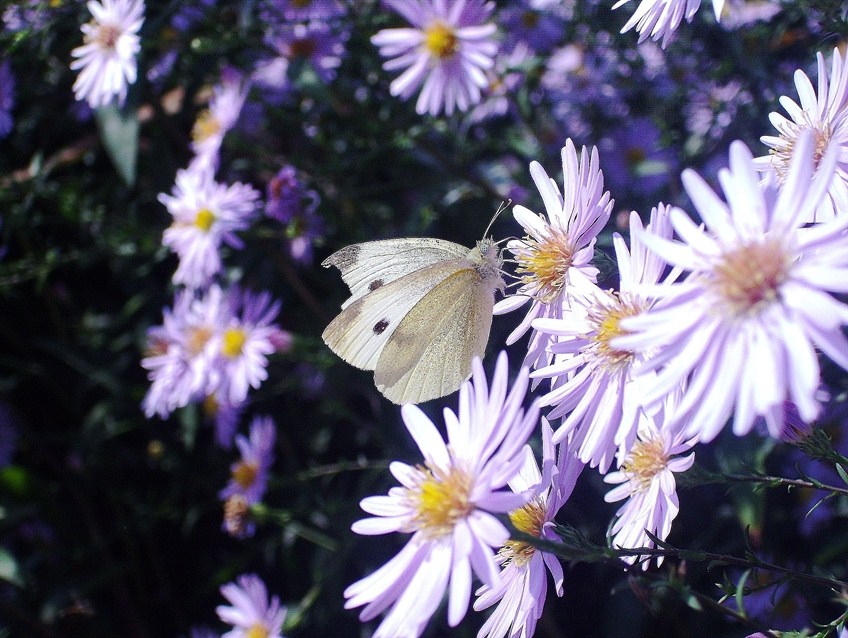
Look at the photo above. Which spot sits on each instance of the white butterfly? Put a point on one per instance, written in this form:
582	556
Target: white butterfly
420	310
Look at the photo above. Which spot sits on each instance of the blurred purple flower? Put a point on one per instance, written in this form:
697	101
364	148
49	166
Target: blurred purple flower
536	29
447	50
290	203
28	15
252	613
634	160
249	475
315	43
279	11
190	12
7	98
215	122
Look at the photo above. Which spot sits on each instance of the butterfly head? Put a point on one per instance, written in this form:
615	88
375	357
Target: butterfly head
487	256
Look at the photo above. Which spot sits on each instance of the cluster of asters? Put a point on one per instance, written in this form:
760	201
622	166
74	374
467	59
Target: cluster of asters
716	323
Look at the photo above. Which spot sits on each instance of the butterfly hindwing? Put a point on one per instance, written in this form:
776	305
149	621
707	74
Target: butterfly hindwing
370	265
359	334
429	354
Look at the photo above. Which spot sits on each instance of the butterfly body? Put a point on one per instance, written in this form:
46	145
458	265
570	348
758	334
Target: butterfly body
420	310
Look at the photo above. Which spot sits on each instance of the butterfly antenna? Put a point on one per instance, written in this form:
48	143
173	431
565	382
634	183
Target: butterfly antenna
503	206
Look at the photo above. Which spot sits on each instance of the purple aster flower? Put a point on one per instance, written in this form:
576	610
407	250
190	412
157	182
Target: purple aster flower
247	337
645	478
225	416
280	11
521	594
504	80
181	351
447	50
7	98
249	475
26	15
659	19
313	42
287	197
106	60
224	108
824	114
746	322
206	215
592	382
446	503
556	254
252	614
634	158
537	29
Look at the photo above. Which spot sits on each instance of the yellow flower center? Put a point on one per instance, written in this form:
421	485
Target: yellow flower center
782	155
245	472
529	519
544	266
301	3
210	405
440	499
236	514
750	276
233	342
205	127
606	319
440	40
645	461
204	219
257	631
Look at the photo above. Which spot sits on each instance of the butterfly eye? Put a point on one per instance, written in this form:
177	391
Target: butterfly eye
380	326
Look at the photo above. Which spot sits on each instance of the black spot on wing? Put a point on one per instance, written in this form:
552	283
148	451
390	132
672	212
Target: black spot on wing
375	284
380	326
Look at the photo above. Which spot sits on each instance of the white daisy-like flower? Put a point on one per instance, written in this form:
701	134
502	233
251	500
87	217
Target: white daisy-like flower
251	613
744	325
446	504
521	594
825	114
645	481
593	382
106	60
659	19
206	215
555	256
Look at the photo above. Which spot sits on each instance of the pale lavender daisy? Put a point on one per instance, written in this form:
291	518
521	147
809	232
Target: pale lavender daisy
249	475
206	215
224	108
825	114
591	381
447	50
247	337
555	256
645	481
446	504
106	61
251	613
181	351
659	19
521	594
746	322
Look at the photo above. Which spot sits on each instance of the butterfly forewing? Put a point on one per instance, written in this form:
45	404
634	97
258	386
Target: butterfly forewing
360	332
429	354
371	265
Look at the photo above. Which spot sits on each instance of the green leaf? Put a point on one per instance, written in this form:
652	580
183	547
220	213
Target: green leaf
119	132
